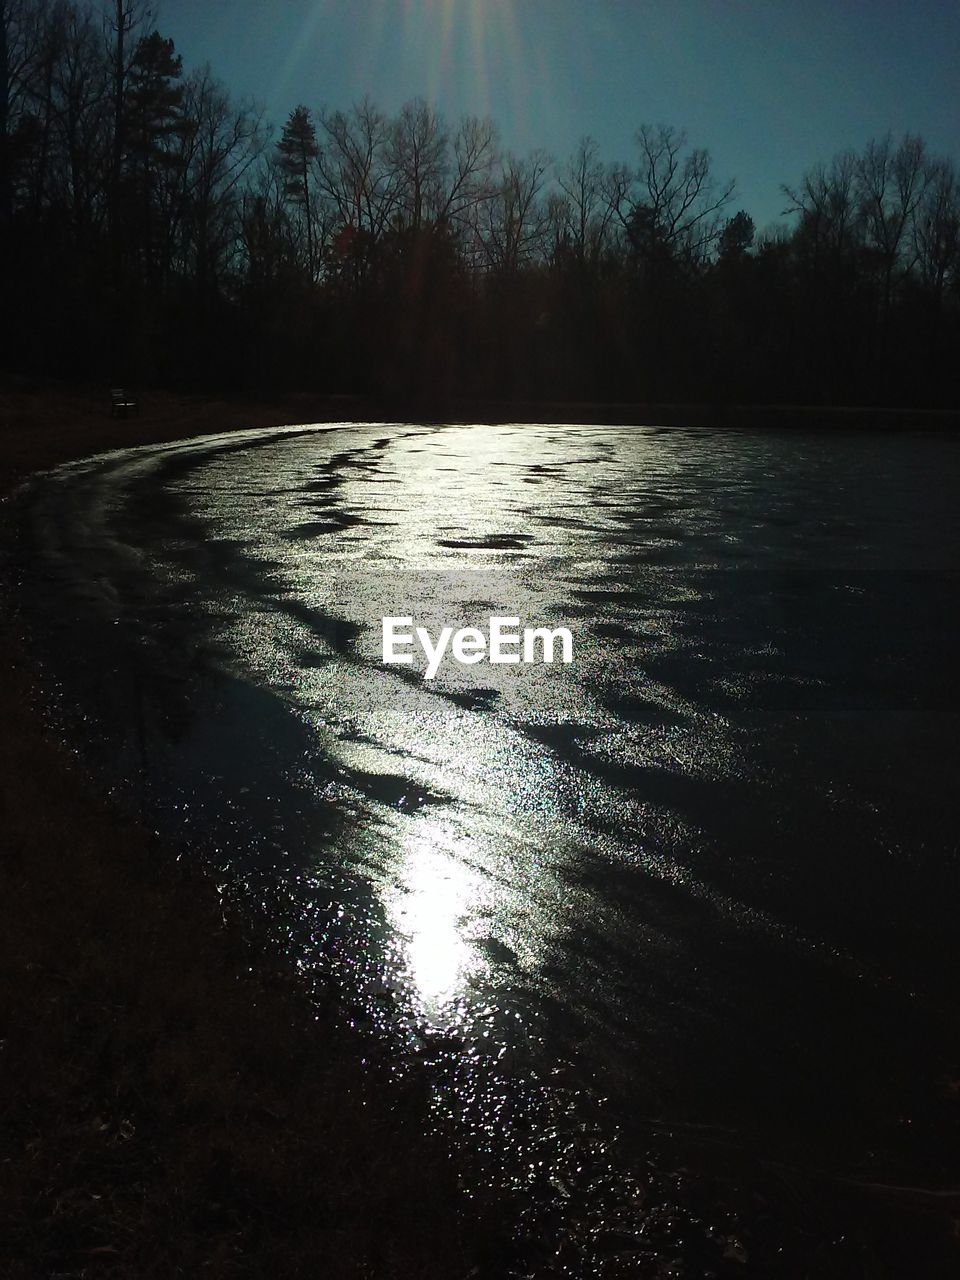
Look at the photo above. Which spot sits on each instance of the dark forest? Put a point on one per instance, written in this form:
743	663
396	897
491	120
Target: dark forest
153	230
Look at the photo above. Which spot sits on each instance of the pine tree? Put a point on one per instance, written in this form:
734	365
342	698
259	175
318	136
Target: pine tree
296	148
154	129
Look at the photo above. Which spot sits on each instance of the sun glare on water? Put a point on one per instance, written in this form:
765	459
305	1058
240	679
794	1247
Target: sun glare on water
436	894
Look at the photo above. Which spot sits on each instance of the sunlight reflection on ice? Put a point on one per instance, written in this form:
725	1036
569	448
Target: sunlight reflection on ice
627	861
436	894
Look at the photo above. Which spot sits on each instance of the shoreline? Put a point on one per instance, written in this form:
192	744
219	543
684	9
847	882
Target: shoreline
35	435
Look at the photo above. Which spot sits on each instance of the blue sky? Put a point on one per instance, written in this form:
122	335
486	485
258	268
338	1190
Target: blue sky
769	87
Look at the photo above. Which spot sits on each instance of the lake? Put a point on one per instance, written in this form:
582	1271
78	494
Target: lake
707	871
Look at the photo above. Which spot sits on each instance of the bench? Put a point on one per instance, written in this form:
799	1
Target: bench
122	401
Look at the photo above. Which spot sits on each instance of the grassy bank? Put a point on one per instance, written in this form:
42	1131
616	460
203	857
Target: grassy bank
164	1112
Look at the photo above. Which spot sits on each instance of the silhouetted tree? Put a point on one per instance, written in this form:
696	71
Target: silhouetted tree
357	179
736	237
153	160
890	186
25	38
936	228
826	202
6	41
296	151
512	229
670	202
128	17
396	253
222	141
416	150
84	126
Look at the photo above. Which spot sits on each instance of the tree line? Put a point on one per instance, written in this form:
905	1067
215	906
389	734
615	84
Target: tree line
153	229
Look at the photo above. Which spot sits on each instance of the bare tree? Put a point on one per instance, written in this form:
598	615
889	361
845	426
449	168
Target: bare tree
40	114
936	227
470	182
128	17
6	15
671	202
585	211
222	144
416	151
82	91
890	186
24	39
355	169
826	201
440	181
267	241
513	226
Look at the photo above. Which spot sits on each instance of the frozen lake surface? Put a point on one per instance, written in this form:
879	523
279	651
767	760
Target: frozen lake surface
709	869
